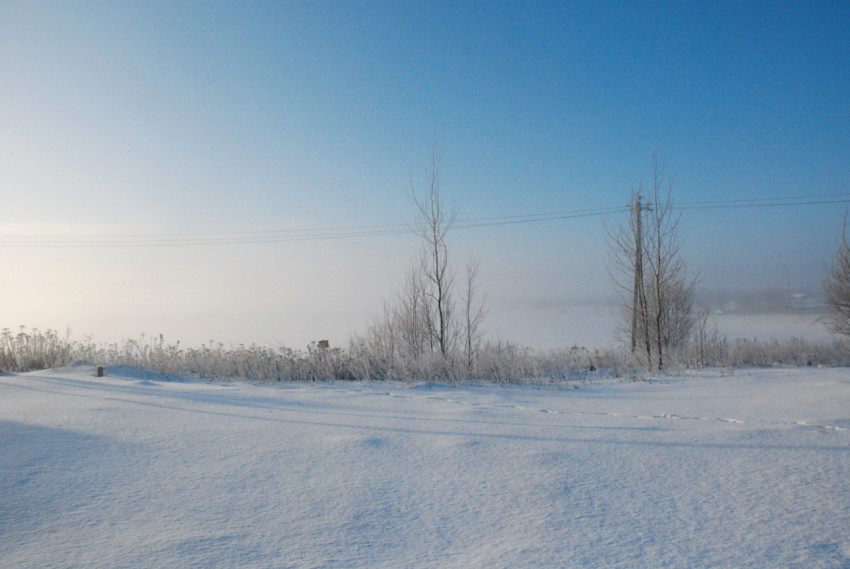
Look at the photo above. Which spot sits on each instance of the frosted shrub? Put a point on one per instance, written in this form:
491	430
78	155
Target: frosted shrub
505	362
794	352
34	350
380	356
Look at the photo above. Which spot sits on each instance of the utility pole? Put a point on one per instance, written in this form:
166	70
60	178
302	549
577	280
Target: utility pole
638	295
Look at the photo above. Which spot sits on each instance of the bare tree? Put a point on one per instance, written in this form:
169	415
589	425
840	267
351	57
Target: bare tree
435	322
673	311
710	344
475	311
836	286
650	271
432	224
411	314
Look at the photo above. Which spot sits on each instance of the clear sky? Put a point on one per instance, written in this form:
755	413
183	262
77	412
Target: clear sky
215	119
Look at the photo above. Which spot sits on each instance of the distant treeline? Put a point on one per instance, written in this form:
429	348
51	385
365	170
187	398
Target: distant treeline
763	301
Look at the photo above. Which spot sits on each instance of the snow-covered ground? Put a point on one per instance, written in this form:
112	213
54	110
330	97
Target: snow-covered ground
747	470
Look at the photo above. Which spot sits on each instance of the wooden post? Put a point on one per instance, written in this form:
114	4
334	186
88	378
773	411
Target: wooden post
99	371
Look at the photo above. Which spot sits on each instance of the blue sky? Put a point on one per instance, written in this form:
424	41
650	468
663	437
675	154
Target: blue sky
163	118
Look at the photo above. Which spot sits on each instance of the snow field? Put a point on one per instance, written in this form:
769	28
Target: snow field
749	470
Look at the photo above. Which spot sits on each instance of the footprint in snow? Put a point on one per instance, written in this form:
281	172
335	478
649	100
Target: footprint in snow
819	427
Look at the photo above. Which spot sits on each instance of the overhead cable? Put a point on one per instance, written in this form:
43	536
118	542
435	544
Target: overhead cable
377	230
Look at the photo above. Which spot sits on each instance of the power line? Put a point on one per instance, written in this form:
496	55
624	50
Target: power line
767	202
376	230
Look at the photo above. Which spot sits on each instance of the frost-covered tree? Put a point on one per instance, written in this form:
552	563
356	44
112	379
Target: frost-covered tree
836	286
658	295
432	224
474	313
433	326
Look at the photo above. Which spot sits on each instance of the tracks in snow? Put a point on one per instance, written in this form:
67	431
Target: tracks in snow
658	417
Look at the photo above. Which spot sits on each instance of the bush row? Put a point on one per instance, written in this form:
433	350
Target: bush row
499	361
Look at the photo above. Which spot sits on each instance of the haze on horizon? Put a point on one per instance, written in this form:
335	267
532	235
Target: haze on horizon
229	172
